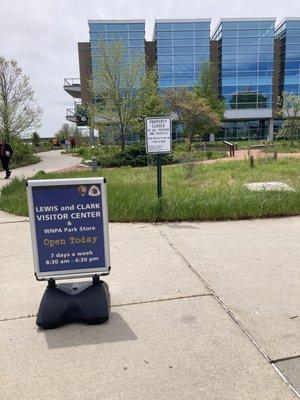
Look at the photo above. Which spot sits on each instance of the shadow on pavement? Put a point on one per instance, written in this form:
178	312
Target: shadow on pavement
76	334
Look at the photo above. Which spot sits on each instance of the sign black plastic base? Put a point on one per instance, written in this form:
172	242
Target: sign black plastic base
88	302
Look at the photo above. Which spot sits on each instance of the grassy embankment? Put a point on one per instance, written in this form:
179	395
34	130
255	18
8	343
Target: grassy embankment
190	192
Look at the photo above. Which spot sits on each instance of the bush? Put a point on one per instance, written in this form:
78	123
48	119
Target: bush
134	156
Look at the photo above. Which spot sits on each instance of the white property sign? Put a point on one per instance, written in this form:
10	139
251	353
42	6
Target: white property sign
158	135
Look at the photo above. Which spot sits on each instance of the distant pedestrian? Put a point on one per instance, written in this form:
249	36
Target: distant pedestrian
72	142
6	153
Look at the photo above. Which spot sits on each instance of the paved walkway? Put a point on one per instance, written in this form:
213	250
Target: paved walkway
199	311
50	161
243	155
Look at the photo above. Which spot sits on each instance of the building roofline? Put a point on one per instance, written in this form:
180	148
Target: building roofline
183	20
241	19
178	20
248	19
291	19
116	21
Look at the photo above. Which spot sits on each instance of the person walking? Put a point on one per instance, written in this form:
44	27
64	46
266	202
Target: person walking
6	153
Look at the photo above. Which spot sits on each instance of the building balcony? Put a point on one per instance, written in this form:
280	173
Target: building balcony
73	87
73	116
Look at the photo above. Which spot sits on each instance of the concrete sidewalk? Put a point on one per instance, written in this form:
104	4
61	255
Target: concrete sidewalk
199	311
50	161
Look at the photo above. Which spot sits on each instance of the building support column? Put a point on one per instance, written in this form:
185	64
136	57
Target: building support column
271	130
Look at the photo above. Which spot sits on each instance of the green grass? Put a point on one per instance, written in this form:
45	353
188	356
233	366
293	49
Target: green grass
201	192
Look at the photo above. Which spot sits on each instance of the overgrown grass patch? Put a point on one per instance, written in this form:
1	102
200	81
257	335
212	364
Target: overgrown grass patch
135	155
208	192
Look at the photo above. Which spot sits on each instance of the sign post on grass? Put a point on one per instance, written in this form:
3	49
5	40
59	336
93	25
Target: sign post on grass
158	141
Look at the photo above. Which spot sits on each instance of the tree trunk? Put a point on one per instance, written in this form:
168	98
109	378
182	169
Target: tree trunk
190	142
122	138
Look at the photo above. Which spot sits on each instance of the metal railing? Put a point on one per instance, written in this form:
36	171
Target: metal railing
72	82
231	147
71	112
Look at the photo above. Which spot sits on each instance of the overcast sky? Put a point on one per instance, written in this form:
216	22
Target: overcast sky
42	35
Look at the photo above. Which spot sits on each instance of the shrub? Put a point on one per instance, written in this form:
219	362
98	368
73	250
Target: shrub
134	156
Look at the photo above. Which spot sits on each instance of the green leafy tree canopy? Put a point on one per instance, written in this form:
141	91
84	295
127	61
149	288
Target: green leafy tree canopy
18	108
115	87
289	110
151	103
194	113
207	89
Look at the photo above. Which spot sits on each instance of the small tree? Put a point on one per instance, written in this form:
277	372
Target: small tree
65	132
18	108
115	86
289	110
35	137
151	103
206	88
194	113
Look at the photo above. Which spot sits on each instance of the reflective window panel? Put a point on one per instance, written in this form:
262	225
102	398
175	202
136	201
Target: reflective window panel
182	48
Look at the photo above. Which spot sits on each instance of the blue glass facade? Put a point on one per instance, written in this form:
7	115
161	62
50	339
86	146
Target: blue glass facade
130	33
256	129
182	47
251	59
289	35
246	63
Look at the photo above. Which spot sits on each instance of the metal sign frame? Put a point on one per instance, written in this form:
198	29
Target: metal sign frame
68	274
146	135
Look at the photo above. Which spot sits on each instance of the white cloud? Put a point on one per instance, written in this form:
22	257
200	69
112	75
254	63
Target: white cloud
42	35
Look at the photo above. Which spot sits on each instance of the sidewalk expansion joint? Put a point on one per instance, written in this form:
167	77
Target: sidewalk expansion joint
122	305
161	300
16	318
14	222
231	315
285	359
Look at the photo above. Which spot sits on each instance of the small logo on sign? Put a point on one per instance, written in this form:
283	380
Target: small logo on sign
94	191
82	190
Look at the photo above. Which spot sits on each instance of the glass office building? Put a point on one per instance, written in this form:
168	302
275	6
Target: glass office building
131	33
246	67
182	46
253	63
246	52
288	35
